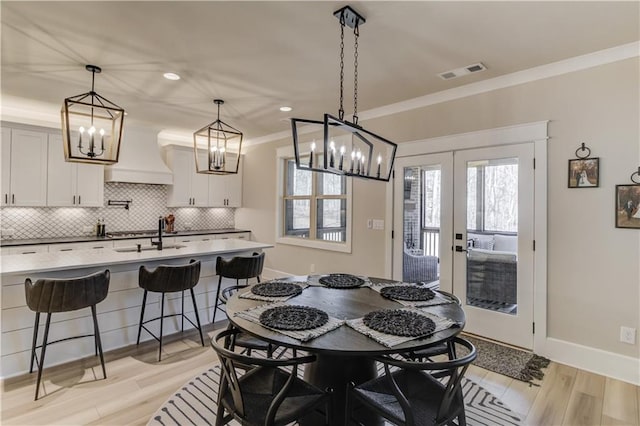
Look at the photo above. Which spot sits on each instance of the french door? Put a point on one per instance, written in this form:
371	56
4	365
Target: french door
471	210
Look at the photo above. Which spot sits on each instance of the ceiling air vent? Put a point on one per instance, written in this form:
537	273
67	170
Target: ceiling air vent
459	72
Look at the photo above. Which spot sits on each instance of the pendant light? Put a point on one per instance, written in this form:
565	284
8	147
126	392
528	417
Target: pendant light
346	148
217	147
91	126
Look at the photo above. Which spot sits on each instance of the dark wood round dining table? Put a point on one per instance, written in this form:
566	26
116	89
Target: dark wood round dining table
343	355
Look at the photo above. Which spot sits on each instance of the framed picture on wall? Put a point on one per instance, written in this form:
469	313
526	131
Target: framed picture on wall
628	206
584	173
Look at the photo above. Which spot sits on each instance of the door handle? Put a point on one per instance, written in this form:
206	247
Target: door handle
79	199
13	198
6	198
460	249
74	200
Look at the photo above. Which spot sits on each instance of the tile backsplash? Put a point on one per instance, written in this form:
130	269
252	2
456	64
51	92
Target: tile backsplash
147	203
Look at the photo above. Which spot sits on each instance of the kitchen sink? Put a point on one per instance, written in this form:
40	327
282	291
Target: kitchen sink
148	248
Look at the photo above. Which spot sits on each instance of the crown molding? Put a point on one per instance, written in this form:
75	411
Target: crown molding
577	63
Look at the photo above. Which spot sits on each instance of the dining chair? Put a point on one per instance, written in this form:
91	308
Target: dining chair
169	279
64	295
268	393
415	393
240	268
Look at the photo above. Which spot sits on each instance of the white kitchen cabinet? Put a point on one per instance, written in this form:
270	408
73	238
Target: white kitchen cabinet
144	242
226	190
72	184
194	238
234	235
24	168
189	188
36	248
90	245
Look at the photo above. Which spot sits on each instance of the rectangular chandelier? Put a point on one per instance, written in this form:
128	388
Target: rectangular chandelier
344	149
217	147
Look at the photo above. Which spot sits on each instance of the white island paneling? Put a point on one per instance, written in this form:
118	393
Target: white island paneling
119	313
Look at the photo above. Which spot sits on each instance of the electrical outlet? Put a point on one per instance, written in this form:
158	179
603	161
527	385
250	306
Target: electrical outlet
312	267
378	224
628	335
87	229
7	232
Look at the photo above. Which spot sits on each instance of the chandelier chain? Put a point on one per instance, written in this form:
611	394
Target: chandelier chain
341	110
356	34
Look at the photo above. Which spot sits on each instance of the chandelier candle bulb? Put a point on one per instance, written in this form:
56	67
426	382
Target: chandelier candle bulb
102	139
364	172
353	157
358	160
332	147
379	161
342	149
313	148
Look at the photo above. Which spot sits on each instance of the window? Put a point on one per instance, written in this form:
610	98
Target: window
313	208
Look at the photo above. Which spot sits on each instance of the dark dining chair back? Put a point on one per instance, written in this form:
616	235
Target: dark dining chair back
268	393
417	393
65	295
169	279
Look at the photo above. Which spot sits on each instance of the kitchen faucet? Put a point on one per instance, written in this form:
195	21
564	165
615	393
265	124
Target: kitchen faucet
160	226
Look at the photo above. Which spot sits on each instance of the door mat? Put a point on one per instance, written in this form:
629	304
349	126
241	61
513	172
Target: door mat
515	363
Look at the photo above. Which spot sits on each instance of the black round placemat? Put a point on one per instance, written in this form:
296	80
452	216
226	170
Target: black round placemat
407	292
276	289
341	281
399	322
293	317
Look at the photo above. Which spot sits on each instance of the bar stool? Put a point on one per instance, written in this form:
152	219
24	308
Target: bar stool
64	295
240	268
169	279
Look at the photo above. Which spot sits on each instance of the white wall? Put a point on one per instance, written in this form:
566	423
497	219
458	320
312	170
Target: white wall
593	269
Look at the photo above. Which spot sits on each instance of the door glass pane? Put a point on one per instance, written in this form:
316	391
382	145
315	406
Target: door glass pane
421	223
492	237
332	219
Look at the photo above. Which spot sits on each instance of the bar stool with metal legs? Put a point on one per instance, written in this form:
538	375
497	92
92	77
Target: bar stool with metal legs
169	279
240	268
64	295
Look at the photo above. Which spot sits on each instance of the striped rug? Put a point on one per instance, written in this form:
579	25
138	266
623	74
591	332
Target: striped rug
195	404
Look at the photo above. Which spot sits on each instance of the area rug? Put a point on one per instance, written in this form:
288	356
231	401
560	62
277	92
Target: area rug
515	363
195	404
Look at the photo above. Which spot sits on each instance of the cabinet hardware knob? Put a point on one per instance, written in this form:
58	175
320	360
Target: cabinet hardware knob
74	199
13	198
79	199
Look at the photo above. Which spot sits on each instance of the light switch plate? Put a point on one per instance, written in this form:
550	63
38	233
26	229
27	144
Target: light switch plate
378	224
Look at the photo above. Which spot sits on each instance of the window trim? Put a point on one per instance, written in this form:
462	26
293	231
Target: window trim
282	154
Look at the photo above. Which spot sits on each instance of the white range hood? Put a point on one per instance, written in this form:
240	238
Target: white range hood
140	160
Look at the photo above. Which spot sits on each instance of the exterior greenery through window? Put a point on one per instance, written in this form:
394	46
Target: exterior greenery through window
315	205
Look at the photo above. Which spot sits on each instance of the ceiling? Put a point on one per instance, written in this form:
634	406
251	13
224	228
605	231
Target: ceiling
258	56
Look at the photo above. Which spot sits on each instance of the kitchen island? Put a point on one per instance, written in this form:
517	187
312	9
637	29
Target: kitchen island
119	313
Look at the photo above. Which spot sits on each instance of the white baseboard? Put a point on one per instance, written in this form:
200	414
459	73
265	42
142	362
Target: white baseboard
594	360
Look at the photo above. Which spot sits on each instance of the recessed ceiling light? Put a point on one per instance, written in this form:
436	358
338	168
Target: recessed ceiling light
285	108
171	76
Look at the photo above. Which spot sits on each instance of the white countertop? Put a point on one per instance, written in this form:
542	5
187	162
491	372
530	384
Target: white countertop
43	262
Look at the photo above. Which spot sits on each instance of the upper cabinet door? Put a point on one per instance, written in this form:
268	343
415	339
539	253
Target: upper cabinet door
28	168
90	185
61	191
6	167
72	184
226	190
199	184
181	164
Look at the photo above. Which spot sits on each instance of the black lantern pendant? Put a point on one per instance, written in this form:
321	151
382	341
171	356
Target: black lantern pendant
91	126
217	147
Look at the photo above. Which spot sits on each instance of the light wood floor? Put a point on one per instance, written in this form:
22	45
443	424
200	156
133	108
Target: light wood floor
137	385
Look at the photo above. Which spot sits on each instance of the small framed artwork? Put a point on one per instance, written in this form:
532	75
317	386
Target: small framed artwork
584	173
628	206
